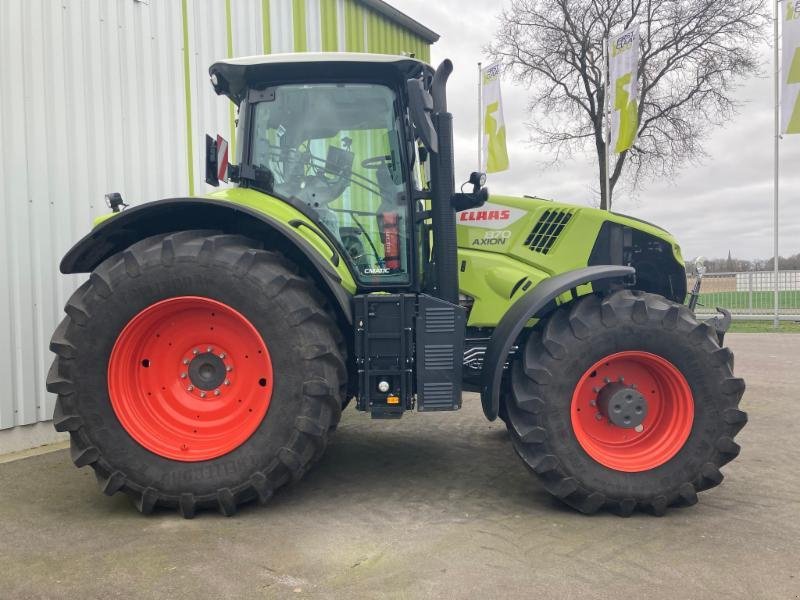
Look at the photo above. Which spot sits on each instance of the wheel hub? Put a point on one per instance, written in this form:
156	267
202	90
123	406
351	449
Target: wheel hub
207	371
622	404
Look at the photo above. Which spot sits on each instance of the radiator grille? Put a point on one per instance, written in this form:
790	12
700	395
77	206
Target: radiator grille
546	231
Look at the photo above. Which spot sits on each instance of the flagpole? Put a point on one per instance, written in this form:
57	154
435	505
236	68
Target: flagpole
606	123
480	119
776	322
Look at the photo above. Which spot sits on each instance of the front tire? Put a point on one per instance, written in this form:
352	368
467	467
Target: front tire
567	411
196	370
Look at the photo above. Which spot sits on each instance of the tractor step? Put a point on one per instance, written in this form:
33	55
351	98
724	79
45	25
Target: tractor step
377	411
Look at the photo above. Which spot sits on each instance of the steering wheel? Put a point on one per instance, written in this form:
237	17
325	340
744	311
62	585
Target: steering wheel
375	162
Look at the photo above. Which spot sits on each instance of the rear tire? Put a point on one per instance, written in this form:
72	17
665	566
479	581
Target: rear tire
138	458
687	444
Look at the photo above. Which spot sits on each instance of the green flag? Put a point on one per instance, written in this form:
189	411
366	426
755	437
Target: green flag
623	82
790	103
495	152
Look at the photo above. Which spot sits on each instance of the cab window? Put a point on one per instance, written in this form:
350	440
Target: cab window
336	148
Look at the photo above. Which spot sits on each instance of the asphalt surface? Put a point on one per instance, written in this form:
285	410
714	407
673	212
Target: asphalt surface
431	506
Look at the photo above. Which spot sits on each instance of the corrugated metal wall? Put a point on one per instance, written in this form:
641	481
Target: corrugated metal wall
113	95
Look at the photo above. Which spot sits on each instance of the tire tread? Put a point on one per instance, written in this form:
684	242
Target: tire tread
322	398
549	343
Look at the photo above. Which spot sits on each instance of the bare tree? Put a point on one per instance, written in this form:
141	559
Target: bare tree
693	54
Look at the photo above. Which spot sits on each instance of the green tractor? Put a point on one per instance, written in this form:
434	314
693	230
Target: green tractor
207	358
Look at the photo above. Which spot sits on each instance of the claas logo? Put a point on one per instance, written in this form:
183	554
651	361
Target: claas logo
485	215
491	73
623	43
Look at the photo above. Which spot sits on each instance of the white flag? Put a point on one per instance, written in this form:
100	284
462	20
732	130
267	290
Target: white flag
495	153
623	81
791	68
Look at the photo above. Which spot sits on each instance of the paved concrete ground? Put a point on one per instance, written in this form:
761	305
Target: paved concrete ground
430	506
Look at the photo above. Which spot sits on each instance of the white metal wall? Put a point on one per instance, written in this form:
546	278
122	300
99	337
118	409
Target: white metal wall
94	97
88	105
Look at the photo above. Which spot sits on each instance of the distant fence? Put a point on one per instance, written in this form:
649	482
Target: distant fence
750	295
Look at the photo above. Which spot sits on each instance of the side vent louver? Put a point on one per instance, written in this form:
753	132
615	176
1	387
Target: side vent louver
439	351
440	320
546	231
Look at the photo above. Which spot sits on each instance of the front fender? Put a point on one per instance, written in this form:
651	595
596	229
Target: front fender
526	308
176	214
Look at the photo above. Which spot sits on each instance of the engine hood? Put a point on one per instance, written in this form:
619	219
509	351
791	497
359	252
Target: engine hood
552	236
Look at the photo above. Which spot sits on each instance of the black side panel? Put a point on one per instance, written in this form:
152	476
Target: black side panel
440	354
384	352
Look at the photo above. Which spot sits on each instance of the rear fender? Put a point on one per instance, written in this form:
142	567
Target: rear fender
177	214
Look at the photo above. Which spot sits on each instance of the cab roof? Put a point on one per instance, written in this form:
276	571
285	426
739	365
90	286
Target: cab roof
234	76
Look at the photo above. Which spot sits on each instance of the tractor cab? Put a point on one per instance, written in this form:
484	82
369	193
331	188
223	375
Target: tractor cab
331	134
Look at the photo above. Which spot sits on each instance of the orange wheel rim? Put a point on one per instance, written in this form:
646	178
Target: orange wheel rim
662	409
190	378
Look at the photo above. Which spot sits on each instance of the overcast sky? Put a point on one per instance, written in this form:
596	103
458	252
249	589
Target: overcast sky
723	204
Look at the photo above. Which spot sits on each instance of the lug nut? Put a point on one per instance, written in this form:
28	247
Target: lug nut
222	355
227	382
621	379
190	388
593	403
202	394
596	389
195	351
216	392
186	361
209	349
639	428
229	369
606	379
598	416
183	375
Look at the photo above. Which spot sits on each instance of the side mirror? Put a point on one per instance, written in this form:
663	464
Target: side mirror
420	105
216	160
